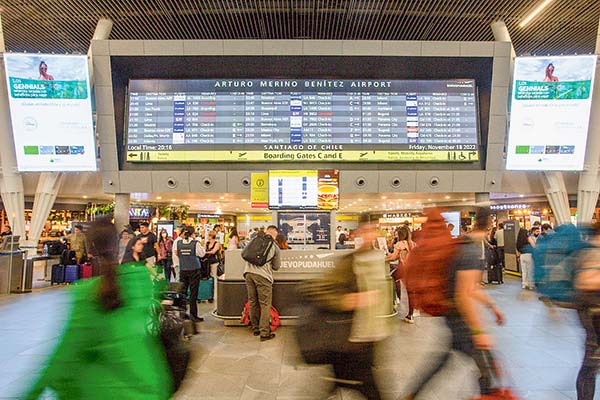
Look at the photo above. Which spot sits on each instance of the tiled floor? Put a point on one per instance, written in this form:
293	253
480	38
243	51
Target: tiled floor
541	353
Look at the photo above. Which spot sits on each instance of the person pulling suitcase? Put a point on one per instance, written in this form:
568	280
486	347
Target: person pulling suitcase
187	254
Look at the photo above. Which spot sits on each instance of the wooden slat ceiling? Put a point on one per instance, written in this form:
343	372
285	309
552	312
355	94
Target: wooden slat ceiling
564	27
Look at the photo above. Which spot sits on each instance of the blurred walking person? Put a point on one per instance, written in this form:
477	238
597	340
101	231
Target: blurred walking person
106	351
463	318
587	282
357	288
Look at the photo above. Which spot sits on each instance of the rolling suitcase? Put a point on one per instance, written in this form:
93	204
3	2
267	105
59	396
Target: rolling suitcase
495	274
86	270
58	274
71	273
206	290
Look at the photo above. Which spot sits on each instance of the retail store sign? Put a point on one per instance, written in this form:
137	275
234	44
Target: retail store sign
503	207
51	112
550	113
260	190
139	213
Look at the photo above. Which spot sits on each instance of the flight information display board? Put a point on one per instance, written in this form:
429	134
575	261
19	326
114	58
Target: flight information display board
275	120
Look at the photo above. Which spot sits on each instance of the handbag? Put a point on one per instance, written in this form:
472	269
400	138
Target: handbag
221	267
321	333
494	373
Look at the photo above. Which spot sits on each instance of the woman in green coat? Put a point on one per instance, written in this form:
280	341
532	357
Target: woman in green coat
107	350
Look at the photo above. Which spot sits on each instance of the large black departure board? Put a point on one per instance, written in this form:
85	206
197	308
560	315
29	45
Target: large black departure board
302	120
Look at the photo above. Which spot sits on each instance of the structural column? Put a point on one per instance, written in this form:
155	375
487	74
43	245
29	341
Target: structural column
589	179
122	201
482	199
554	182
11	182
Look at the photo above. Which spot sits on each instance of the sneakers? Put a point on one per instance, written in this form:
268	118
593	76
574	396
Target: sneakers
409	319
269	337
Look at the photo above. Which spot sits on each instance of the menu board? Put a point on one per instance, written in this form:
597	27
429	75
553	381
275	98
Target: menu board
283	120
51	112
550	113
304	189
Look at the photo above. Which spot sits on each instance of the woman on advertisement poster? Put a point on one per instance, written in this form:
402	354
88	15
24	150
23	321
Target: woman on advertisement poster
550	77
44	72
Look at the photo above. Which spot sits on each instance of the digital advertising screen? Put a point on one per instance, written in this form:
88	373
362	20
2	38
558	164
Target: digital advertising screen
51	112
305	228
550	113
302	120
304	189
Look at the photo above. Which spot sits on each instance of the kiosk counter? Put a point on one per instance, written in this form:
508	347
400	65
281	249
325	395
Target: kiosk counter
296	266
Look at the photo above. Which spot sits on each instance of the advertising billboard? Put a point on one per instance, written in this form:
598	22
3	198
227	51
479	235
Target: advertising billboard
51	112
550	113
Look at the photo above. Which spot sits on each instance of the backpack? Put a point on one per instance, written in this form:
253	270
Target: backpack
275	321
68	257
428	266
257	251
555	262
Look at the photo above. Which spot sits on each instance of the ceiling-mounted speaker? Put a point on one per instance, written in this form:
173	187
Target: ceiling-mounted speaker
396	182
360	182
434	181
207	182
245	181
172	183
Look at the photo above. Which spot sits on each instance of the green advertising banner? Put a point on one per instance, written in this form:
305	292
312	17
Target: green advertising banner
36	89
577	90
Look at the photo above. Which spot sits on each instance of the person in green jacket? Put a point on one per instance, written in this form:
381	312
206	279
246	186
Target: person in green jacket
108	350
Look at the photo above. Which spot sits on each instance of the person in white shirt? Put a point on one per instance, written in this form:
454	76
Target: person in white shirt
500	243
338	232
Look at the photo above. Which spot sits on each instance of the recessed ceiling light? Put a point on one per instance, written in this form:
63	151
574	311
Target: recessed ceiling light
534	13
85	197
383	197
244	200
521	195
447	197
359	199
222	197
464	199
428	199
173	200
158	198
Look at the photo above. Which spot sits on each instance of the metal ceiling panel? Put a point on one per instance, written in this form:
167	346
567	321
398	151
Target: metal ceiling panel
564	27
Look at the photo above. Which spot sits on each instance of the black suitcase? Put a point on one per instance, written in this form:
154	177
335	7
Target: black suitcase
495	274
58	274
55	247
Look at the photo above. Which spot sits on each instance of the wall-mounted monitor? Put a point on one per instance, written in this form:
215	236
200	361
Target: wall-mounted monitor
302	120
550	113
51	112
304	189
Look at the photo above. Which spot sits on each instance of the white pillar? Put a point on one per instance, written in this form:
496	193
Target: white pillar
45	196
554	186
11	182
554	182
482	199
122	201
589	178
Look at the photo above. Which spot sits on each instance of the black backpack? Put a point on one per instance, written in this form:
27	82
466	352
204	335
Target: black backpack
257	251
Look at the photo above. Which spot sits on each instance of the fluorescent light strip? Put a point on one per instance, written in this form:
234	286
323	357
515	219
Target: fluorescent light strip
534	13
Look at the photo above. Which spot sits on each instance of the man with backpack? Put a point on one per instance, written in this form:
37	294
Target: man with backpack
463	293
262	257
186	254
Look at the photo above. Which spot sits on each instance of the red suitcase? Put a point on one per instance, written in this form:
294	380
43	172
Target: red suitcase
86	270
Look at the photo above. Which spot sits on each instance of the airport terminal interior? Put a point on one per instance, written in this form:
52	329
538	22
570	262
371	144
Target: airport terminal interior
286	199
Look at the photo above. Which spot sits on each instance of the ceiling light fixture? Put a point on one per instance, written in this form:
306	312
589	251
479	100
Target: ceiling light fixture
85	197
383	197
222	197
447	197
158	198
534	13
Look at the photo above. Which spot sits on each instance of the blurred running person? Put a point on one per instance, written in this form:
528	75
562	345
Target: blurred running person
107	351
587	282
464	319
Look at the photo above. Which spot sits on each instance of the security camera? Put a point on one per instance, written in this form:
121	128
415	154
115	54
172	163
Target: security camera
172	183
110	183
434	181
493	182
